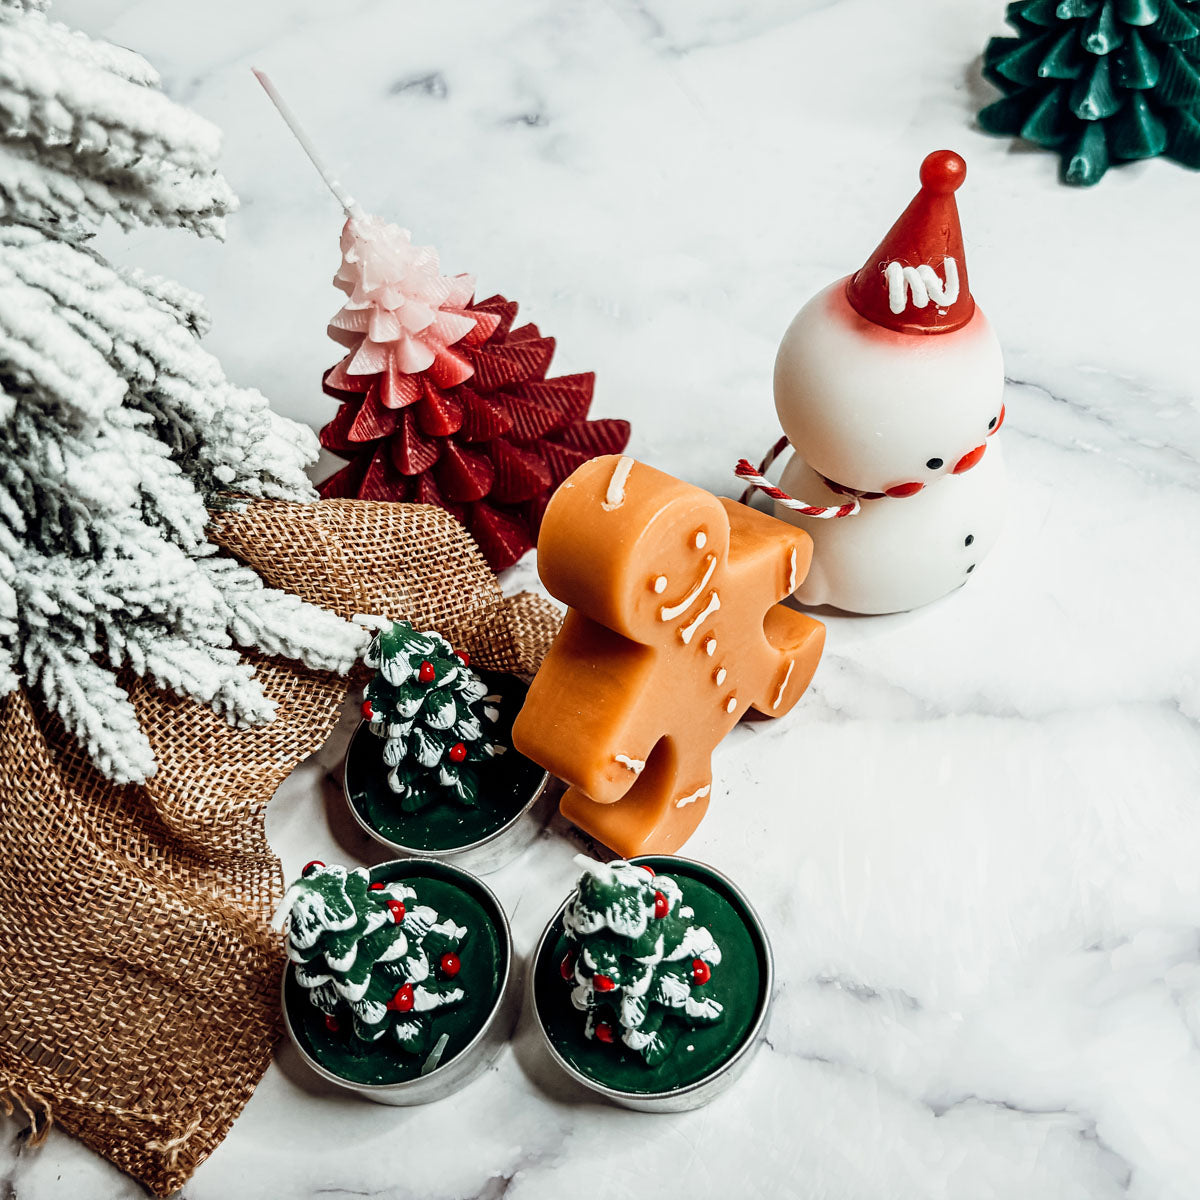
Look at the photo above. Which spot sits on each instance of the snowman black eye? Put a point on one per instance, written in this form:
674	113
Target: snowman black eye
992	422
934	463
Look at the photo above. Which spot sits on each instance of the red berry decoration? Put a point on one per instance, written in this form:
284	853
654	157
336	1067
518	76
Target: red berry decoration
661	907
604	1032
566	968
310	866
451	964
403	1000
603	983
367	711
649	870
426	672
331	1023
463	657
457	752
701	973
375	887
396	908
480	431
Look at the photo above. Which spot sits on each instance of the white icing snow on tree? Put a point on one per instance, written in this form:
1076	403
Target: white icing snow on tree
637	966
371	955
117	430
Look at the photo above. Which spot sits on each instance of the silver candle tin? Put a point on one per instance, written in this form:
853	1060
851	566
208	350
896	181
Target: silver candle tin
479	1053
708	1088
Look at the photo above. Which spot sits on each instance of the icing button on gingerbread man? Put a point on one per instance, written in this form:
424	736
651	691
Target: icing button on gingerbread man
673	631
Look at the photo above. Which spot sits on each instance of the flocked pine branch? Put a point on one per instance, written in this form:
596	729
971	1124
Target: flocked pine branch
278	622
74	107
232	439
118	431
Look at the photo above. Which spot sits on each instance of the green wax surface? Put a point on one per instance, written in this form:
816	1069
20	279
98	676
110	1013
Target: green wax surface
506	784
738	982
483	954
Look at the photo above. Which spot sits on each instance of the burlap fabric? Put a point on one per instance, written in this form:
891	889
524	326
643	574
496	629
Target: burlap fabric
138	973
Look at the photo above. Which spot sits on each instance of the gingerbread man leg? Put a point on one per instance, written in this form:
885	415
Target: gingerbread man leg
657	814
592	735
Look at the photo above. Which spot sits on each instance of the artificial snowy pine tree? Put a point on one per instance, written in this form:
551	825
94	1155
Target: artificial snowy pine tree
118	430
1099	81
425	703
637	966
372	959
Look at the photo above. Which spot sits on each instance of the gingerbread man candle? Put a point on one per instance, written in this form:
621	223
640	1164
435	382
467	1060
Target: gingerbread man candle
673	632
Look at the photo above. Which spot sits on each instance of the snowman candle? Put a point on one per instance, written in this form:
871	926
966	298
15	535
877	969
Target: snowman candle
889	385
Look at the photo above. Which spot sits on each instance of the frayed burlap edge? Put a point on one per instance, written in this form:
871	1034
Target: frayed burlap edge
139	1002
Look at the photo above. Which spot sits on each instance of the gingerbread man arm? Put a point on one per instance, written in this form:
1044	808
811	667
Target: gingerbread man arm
769	565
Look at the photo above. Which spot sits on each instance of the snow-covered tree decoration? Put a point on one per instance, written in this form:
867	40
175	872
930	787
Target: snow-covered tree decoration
88	134
637	966
433	713
372	958
117	430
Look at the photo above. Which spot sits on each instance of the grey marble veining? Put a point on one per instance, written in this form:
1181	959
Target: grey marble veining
975	842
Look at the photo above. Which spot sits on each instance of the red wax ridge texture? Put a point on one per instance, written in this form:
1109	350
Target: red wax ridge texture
490	449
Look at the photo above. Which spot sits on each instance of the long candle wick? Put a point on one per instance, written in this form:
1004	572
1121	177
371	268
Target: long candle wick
348	203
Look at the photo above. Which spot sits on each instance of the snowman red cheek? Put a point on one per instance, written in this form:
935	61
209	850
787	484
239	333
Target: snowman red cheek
903	489
969	459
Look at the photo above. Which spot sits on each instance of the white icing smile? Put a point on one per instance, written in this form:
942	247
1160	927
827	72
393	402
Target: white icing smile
670	612
689	631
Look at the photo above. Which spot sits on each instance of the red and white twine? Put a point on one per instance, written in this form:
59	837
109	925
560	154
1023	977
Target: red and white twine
757	480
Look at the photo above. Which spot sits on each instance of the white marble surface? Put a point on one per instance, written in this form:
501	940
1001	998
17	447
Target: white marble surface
976	842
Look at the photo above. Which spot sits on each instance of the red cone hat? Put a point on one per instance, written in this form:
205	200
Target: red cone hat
916	281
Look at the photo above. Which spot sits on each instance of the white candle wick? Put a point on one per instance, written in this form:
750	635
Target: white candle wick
348	203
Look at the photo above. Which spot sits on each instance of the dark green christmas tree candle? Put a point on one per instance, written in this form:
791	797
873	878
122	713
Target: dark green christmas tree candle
423	703
432	770
652	982
1099	81
398	978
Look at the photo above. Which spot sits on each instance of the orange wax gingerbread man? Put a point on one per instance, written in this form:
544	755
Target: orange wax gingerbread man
672	633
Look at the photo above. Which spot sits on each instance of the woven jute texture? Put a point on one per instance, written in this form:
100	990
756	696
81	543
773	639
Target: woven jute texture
139	977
